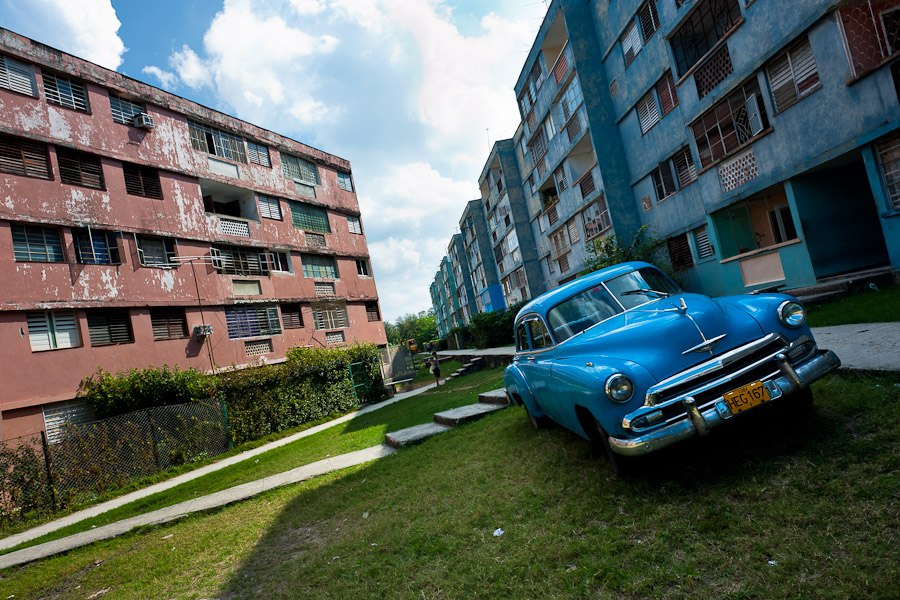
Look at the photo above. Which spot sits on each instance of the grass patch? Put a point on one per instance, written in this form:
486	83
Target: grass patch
448	367
364	431
871	306
766	508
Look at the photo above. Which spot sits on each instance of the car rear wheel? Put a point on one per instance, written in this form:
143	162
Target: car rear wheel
542	422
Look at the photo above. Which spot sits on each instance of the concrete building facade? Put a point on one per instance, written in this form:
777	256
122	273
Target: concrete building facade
760	140
139	228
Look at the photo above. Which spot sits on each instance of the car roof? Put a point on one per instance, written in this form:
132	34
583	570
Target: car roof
548	300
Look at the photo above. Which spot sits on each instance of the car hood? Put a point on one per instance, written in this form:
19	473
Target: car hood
657	338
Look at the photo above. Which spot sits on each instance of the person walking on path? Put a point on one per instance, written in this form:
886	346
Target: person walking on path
435	368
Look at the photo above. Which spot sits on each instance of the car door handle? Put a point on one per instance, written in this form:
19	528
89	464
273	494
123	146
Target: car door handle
531	358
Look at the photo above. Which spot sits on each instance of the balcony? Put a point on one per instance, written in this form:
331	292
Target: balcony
233	207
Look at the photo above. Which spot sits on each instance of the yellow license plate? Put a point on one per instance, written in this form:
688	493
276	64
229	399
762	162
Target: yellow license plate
746	397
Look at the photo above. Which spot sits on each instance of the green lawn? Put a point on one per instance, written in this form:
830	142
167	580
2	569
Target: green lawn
361	432
870	306
448	367
765	509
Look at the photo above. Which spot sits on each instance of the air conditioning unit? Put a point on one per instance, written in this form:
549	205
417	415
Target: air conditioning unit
202	331
143	120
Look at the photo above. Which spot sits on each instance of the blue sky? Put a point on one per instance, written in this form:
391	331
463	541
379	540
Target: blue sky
409	91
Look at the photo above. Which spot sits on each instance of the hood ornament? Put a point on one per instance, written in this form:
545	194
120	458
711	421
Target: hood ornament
707	345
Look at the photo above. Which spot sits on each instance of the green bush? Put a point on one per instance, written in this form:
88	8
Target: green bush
110	395
494	329
612	250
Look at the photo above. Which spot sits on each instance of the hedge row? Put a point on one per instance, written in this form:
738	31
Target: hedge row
311	384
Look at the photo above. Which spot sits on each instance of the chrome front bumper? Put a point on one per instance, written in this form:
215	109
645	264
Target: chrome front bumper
787	381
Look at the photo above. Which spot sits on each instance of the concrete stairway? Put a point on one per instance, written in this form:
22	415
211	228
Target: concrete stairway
832	288
476	364
488	402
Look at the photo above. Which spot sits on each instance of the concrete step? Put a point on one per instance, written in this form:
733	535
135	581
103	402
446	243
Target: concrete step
497	396
413	435
464	414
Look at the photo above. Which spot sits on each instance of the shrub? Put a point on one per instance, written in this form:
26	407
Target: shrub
493	329
612	250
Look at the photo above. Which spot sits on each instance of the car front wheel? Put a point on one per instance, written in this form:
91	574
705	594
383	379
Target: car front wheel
542	422
620	464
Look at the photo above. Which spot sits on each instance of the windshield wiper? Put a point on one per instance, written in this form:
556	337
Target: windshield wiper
645	291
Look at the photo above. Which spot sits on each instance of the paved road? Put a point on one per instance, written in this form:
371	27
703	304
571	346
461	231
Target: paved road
866	346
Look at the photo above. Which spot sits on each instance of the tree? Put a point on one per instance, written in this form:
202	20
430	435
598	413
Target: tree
393	334
612	250
421	327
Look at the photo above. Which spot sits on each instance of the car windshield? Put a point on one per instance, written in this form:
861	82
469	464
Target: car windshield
581	311
642	286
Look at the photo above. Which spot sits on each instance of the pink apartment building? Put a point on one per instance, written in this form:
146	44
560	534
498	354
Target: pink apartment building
139	228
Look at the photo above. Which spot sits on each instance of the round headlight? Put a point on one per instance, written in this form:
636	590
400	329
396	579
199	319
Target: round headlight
792	313
619	388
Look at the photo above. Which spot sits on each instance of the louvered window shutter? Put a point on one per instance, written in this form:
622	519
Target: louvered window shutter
16	76
631	43
647	112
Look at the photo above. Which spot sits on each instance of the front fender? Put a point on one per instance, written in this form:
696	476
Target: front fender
517	387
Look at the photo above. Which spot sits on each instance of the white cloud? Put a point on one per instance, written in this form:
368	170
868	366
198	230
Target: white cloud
165	78
88	28
190	69
308	7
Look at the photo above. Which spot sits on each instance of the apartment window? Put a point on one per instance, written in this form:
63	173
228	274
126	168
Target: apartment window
730	124
23	157
16	76
782	223
572	227
889	157
334	337
52	330
362	268
65	92
793	75
668	95
649	19
331	315
79	168
237	260
168	323
344	181
631	43
280	262
310	218
94	247
269	207
684	167
709	23
372	313
562	182
251	321
291	316
142	181
647	112
124	110
109	326
538	146
559	241
36	244
217	142
295	167
258	154
155	252
663	181
315	265
680	252
596	218
713	72
871	32
570	101
701	241
354	225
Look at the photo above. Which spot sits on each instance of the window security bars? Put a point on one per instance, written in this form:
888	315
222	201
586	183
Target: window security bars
252	321
23	157
217	142
124	110
65	92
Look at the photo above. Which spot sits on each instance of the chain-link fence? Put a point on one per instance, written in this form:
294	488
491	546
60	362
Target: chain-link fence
89	459
24	478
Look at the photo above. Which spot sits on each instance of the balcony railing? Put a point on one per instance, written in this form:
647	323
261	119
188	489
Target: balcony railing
587	184
561	67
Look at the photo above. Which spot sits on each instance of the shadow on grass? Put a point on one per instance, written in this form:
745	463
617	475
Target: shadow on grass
420	523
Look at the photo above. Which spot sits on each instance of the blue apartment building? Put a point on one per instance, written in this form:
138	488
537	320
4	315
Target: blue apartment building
759	138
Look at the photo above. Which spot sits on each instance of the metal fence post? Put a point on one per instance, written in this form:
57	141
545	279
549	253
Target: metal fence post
227	428
153	438
46	448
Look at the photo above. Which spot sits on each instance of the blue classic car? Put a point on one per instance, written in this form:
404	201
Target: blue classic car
626	359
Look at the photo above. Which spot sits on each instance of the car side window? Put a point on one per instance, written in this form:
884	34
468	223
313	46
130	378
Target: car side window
540	337
521	337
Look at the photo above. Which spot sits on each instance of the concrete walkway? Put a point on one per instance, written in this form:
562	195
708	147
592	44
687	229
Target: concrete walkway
36	532
865	346
233	494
